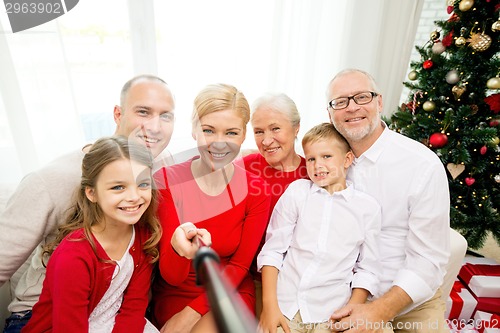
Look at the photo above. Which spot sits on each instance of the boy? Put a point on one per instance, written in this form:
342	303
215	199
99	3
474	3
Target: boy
321	239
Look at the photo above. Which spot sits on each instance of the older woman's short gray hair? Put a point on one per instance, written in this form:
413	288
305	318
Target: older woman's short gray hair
278	102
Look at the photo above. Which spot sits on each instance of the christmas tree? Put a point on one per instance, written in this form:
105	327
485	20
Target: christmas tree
453	108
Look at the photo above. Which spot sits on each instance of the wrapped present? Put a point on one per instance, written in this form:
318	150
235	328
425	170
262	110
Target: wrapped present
485	286
488	304
460	304
482	279
487	322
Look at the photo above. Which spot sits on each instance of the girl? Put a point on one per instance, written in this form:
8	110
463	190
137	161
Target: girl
98	277
214	193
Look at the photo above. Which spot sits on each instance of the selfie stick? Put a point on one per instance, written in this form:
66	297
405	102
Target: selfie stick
231	315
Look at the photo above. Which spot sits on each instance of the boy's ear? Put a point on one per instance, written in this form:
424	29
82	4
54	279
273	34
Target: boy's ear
90	193
349	158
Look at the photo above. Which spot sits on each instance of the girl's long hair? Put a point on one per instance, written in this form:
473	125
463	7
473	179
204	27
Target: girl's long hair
84	213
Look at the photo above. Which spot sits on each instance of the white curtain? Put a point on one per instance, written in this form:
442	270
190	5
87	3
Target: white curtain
60	81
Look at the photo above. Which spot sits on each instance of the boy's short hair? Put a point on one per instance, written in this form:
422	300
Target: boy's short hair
325	131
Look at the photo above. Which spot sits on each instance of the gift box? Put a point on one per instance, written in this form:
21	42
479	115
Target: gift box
482	279
487	322
460	304
485	286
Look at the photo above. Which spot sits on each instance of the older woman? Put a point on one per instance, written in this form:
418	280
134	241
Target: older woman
276	123
215	194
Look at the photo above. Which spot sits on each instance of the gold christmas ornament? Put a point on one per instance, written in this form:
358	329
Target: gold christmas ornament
493	83
412	75
455	169
460	41
495	27
434	35
480	42
429	106
465	5
495	141
458	91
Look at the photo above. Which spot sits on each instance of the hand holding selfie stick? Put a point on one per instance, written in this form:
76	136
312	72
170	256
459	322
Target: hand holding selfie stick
230	314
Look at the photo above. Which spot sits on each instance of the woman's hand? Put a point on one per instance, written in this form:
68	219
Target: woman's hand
186	239
181	322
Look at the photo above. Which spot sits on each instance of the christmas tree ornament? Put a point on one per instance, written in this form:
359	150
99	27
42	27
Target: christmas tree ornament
493	83
455	169
448	39
493	102
495	141
495	27
434	35
497	178
452	77
473	108
438	140
461	41
412	75
438	48
494	122
479	42
429	106
465	5
469	181
427	64
458	91
483	150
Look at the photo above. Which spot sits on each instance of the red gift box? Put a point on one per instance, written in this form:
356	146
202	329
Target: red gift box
461	304
486	322
487	304
469	270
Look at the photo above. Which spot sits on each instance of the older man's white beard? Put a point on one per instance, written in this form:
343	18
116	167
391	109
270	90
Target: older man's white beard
355	135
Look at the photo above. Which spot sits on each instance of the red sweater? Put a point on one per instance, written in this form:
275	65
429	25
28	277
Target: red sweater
278	181
76	281
236	220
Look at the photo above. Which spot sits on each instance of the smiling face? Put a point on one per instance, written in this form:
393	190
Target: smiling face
219	136
357	123
122	191
274	136
147	115
327	162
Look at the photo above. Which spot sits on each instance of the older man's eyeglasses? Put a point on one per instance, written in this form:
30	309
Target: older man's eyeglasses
360	99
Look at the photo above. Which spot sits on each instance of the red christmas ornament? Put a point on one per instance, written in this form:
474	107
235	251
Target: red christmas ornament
454	18
448	39
449	9
483	150
469	181
427	64
493	102
494	122
438	140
